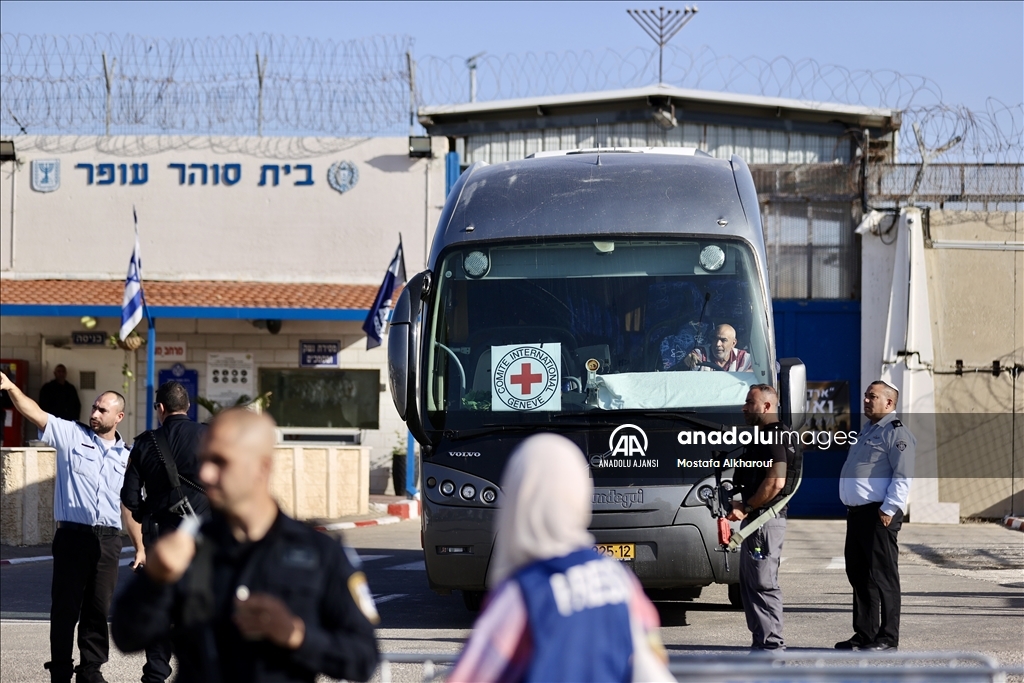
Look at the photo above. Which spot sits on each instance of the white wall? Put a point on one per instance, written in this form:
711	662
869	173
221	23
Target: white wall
245	231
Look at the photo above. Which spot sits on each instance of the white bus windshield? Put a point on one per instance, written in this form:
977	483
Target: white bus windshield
606	325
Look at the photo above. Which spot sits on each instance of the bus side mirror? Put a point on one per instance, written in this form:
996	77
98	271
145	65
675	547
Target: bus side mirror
792	392
404	351
399	332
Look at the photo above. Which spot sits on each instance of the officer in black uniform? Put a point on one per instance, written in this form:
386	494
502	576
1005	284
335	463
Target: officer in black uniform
161	510
761	487
256	595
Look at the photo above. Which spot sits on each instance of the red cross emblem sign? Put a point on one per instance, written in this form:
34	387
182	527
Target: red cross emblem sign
526	377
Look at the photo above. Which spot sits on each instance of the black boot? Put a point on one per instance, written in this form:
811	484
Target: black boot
89	673
60	672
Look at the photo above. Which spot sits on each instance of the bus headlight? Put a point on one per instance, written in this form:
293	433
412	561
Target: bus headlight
447	487
468	492
705	493
489	495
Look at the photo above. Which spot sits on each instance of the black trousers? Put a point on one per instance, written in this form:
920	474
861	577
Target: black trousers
84	576
157	668
872	566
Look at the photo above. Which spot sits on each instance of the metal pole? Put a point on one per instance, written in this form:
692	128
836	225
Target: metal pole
107	77
411	66
471	63
261	70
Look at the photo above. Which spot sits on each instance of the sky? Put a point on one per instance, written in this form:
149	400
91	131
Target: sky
971	50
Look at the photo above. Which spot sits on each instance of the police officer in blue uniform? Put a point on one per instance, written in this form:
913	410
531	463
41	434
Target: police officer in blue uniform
91	461
874	485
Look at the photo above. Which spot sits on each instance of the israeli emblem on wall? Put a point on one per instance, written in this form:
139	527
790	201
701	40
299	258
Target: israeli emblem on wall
526	377
45	175
343	176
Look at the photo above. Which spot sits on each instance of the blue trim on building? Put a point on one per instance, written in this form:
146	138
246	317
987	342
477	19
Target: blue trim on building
206	312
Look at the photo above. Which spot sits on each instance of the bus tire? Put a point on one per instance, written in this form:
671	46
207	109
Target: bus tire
735	596
472	600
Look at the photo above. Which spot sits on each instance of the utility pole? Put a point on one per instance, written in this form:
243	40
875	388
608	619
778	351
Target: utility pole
662	26
471	63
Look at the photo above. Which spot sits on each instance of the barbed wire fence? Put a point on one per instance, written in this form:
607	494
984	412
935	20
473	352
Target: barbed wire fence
272	85
248	85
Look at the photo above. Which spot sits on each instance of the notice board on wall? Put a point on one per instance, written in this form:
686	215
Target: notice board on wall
347	399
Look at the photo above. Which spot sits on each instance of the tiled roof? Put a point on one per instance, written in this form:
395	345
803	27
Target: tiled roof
199	293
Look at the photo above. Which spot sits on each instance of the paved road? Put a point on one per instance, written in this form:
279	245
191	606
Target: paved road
963	589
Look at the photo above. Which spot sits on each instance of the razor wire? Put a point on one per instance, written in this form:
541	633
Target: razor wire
273	85
993	135
242	85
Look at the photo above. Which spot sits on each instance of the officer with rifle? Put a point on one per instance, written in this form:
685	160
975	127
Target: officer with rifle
161	488
764	491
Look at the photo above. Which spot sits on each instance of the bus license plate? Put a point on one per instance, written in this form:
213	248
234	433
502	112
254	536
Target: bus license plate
620	551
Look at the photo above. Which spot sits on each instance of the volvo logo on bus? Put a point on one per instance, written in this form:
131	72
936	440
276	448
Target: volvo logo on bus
628	440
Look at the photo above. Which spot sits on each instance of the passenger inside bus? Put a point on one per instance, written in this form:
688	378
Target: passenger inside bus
720	354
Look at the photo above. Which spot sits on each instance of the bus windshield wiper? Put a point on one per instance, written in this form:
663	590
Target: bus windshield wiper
459	434
688	416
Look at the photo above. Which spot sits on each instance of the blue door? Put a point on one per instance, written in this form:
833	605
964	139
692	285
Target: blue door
825	335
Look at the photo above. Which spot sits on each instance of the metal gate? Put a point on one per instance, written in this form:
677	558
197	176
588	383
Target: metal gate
825	335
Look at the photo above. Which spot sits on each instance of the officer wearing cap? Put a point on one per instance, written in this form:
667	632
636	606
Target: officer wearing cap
874	486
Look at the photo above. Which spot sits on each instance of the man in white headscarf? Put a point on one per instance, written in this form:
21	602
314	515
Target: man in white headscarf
558	610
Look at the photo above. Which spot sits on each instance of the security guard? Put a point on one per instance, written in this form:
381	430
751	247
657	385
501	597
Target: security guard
161	509
874	485
87	545
760	488
257	596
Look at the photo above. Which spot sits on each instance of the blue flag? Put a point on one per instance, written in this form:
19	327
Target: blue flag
378	316
133	301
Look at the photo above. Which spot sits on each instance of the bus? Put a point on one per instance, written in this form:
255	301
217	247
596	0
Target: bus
618	297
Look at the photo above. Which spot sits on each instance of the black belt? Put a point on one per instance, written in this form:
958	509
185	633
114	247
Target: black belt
865	506
100	531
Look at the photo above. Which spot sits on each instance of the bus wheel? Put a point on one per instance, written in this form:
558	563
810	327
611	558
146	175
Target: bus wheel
735	597
472	600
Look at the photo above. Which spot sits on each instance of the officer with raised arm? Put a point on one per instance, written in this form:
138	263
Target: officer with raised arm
91	461
874	485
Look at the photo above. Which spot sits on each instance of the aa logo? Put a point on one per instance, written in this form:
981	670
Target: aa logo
628	440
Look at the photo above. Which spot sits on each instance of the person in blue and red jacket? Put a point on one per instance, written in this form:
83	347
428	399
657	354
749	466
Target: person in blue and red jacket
558	610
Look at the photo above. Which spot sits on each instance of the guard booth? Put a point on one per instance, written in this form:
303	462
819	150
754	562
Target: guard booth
808	160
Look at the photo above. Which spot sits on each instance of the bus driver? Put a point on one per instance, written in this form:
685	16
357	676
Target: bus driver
722	352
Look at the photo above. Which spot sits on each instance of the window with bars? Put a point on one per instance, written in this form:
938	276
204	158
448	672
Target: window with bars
811	250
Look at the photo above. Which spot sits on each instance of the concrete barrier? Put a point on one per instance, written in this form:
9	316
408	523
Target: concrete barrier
313	481
26	495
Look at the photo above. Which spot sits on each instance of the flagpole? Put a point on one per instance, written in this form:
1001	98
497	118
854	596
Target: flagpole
150	367
150	345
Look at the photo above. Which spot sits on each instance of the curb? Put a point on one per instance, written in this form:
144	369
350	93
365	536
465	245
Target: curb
1014	523
44	558
404	509
337	526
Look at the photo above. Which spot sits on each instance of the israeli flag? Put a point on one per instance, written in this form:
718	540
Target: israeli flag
133	301
378	316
